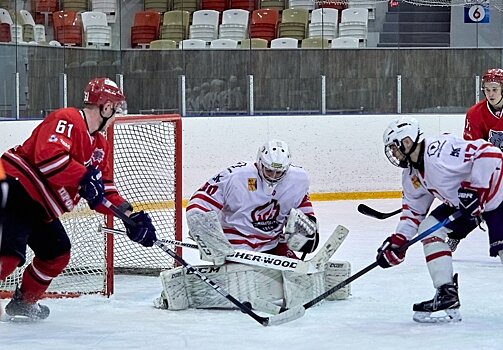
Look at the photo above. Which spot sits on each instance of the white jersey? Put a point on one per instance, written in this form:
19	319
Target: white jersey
251	218
450	161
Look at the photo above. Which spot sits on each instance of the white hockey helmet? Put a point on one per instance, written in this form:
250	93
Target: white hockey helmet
273	161
399	129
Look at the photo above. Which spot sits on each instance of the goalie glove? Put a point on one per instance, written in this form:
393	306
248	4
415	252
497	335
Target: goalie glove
301	232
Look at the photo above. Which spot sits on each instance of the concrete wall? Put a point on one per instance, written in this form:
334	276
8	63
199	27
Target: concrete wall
341	153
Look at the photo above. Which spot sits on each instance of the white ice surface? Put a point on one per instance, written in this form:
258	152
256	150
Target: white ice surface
378	315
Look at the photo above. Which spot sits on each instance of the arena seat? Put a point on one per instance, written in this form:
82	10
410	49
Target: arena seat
67	28
192	44
108	7
354	23
5	26
264	24
278	5
216	5
31	31
162	44
234	24
204	25
158	5
324	23
284	43
185	5
315	43
345	42
145	28
97	32
175	25
42	9
254	43
248	5
224	44
294	23
308	5
74	5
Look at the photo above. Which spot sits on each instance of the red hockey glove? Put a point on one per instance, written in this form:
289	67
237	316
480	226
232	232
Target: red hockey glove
389	254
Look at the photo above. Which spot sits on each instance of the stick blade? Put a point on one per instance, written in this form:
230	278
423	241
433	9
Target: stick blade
286	316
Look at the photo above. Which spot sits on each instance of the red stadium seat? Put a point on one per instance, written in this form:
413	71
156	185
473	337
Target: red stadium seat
217	5
67	27
264	24
248	5
145	28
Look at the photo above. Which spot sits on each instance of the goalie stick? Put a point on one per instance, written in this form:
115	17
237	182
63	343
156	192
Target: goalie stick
268	260
363	271
288	315
366	210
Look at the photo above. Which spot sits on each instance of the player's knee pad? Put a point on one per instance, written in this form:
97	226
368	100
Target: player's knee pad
335	273
437	252
52	267
435	243
246	283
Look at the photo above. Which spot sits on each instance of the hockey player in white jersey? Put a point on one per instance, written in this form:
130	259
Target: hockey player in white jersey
260	206
464	175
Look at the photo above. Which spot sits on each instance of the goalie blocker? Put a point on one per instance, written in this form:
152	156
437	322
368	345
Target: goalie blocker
265	289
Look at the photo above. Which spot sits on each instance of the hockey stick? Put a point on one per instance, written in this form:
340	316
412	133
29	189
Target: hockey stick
286	316
246	257
360	273
366	210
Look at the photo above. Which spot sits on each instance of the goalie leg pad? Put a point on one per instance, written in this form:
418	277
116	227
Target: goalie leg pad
301	288
205	229
245	283
335	273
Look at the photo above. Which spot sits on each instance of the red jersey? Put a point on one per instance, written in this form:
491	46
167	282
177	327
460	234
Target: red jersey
482	123
52	161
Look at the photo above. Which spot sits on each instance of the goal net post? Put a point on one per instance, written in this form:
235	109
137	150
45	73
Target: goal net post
146	160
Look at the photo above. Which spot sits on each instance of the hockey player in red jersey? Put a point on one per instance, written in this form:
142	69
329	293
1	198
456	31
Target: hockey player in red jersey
483	120
463	175
64	160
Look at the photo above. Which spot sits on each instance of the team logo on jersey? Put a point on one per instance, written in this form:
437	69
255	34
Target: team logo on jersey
433	148
98	155
252	184
53	138
455	151
264	217
415	181
496	138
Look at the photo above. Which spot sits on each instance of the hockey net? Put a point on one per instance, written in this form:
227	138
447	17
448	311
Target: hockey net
146	160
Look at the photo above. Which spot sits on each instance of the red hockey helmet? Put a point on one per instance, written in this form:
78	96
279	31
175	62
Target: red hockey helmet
101	90
494	75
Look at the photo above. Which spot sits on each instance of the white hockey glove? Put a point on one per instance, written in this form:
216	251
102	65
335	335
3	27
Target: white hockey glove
206	231
301	232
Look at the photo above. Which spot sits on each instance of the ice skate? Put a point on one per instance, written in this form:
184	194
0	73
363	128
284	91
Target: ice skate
446	300
17	309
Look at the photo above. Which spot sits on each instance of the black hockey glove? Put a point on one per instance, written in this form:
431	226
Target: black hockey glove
143	231
469	203
92	188
389	253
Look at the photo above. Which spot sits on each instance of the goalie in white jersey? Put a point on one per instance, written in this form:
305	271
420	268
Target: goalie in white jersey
260	206
254	200
464	175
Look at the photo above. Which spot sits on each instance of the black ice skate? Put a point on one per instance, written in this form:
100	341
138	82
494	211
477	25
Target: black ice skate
446	299
17	309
